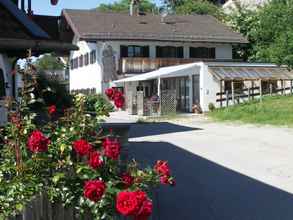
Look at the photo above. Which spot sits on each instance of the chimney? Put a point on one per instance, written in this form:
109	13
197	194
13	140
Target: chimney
134	8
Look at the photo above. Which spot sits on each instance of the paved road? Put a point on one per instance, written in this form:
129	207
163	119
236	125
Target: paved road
223	172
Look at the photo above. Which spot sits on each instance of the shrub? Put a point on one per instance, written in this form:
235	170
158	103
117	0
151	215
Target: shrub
211	107
72	163
99	104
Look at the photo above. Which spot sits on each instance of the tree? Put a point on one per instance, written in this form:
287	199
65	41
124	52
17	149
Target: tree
269	30
49	62
202	7
123	6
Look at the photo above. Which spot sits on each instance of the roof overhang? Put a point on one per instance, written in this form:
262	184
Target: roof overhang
18	47
165	72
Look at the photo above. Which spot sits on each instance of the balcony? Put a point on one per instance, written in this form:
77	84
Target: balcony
143	65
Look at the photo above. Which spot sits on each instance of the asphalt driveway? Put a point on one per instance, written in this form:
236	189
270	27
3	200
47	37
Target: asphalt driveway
223	172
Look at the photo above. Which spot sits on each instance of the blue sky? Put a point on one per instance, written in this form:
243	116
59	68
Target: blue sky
44	6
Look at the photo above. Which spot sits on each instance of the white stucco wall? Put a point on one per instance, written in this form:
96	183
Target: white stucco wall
90	76
86	77
209	87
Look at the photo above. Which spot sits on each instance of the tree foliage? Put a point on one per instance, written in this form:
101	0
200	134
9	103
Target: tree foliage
202	7
49	62
123	6
269	30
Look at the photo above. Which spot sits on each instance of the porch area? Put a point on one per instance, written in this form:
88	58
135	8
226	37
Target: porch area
165	91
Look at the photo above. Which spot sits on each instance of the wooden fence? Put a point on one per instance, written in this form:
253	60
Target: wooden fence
248	94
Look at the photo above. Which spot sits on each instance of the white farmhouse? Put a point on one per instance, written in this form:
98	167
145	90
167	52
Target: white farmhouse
149	55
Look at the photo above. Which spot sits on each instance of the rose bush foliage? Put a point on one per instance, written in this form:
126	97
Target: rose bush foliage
70	161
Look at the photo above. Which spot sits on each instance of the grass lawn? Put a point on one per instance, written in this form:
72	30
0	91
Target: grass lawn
276	110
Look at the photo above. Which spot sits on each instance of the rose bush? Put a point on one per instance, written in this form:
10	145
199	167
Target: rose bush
70	161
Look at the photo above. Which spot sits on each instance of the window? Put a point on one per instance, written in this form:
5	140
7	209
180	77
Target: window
202	52
2	84
134	51
80	62
93	57
86	59
169	52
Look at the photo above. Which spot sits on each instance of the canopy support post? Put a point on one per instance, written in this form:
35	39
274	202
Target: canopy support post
159	87
190	93
271	88
260	91
233	93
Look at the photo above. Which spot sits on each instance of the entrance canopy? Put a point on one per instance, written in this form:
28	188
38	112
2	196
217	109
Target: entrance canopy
165	72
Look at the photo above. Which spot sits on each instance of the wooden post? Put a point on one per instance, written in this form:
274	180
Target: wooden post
248	94
252	87
271	89
283	88
227	98
221	91
291	85
260	91
233	92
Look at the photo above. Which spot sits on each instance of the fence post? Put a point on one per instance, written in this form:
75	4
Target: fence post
252	88
271	89
227	98
221	91
248	94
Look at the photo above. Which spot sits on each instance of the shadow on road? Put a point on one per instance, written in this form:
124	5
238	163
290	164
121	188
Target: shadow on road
149	129
206	190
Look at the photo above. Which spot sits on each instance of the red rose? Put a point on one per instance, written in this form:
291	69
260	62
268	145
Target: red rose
95	160
110	93
117	94
134	204
127	180
37	142
111	148
94	190
82	147
127	203
52	109
162	168
145	210
164	179
119	102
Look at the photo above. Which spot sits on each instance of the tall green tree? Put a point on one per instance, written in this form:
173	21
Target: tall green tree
123	6
269	30
202	7
49	62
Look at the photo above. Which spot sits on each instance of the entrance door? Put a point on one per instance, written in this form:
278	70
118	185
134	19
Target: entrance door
196	90
183	95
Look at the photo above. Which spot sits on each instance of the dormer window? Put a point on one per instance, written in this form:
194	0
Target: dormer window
134	51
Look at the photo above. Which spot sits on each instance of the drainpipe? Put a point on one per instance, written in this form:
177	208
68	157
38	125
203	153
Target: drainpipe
190	93
159	87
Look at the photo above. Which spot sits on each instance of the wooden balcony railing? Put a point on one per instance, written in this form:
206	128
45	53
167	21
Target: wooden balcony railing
143	65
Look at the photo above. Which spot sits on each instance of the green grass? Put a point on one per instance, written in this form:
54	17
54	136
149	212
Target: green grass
276	110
